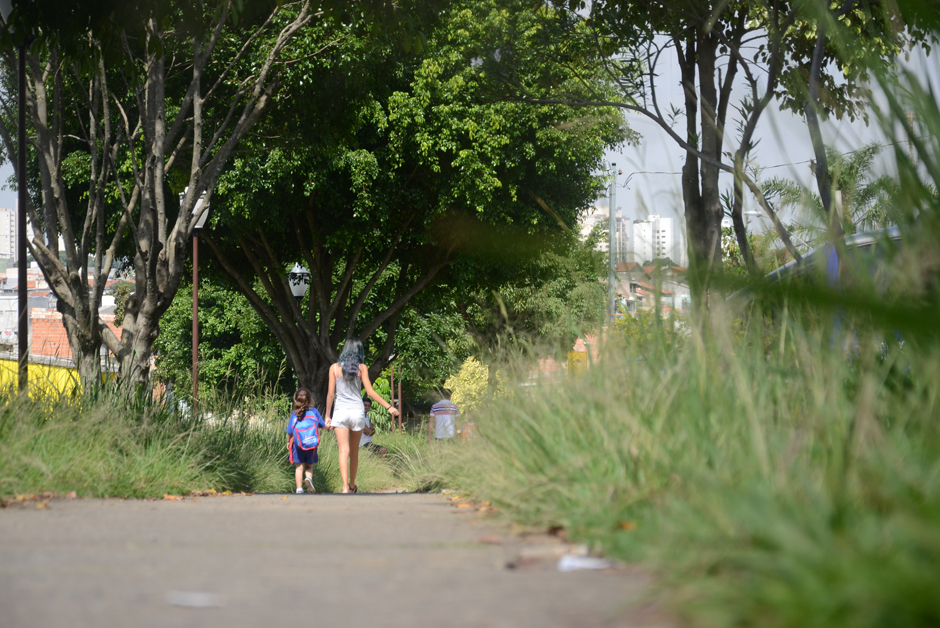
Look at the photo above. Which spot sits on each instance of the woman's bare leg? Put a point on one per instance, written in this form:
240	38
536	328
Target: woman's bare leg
354	437
342	441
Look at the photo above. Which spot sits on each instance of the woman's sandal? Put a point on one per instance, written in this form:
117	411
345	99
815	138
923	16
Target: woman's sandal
353	489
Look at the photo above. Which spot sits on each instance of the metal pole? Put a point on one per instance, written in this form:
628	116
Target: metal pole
612	227
195	323
22	294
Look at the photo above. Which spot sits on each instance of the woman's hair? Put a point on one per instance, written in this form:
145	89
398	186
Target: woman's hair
350	359
302	402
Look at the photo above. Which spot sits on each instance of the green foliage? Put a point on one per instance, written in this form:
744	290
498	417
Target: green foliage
645	332
867	202
765	248
379	417
416	181
473	385
236	349
469	386
781	473
549	300
431	345
122	291
111	446
784	490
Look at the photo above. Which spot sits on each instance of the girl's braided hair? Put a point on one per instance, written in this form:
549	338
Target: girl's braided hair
302	402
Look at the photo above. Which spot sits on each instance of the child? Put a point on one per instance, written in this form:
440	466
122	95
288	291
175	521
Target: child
304	459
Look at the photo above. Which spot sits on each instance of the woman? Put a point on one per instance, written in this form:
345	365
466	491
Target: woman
347	418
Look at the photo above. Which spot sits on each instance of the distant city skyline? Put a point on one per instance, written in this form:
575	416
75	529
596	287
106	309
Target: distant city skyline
638	239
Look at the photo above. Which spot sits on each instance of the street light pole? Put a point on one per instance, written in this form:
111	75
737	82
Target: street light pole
195	320
22	295
612	229
197	229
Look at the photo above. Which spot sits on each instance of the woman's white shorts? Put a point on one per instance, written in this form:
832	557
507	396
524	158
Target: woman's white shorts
352	422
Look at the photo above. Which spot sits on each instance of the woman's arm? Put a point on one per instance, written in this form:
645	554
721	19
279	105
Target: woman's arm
367	386
331	392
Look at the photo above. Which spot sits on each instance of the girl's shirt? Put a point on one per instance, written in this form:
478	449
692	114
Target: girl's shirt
311	413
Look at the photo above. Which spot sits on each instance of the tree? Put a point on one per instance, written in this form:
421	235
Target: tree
863	202
863	38
715	45
141	102
414	173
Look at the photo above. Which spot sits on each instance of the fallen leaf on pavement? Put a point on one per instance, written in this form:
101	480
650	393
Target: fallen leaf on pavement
490	540
71	495
172	498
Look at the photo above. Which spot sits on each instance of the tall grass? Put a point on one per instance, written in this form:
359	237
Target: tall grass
99	448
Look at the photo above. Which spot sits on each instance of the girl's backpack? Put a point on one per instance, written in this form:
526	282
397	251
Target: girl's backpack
306	434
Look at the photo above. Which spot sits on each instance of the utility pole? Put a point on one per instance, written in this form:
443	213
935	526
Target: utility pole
612	229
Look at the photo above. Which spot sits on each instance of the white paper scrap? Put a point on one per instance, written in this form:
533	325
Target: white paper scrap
569	562
194	599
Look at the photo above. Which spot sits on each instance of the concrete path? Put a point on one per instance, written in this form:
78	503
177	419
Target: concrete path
283	561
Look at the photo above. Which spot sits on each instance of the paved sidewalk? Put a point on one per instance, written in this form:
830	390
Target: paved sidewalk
292	560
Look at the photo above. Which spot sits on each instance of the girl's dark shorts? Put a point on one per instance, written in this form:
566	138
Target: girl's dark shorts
303	456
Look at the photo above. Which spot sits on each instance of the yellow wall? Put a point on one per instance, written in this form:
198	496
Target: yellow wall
43	379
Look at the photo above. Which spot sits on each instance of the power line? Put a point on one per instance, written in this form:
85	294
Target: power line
794	163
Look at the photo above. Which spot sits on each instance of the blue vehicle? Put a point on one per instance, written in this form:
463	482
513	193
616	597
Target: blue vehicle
870	249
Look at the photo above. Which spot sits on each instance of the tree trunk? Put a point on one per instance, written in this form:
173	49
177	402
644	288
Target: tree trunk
811	109
85	343
711	134
137	337
700	192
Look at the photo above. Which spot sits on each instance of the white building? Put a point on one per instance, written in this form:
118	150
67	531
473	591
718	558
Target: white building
642	241
655	238
7	233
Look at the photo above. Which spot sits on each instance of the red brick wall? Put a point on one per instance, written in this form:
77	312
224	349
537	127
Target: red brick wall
49	337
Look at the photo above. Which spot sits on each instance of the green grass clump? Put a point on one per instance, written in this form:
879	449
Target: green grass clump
95	449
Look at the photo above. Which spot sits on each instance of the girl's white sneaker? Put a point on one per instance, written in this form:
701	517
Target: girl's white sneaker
309	483
300	491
